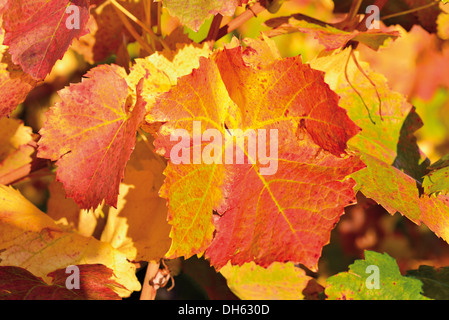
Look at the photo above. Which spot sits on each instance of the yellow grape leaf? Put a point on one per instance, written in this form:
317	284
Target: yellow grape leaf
395	165
66	212
32	240
139	227
16	147
280	281
162	69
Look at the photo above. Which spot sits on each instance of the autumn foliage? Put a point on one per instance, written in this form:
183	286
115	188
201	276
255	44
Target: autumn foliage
93	92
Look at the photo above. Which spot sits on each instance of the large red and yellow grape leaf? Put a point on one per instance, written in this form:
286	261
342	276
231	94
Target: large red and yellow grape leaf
290	84
192	13
192	190
395	166
95	284
352	285
273	211
298	205
331	37
32	240
14	83
280	281
16	148
39	32
91	134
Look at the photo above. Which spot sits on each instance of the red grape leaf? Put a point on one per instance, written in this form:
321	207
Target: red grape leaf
268	212
422	66
95	284
14	83
37	34
297	88
91	134
332	38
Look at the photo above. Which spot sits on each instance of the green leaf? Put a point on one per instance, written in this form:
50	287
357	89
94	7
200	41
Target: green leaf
437	179
435	281
359	282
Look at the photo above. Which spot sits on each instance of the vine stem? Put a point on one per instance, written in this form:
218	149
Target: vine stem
251	12
214	28
133	32
355	6
140	23
148	290
410	11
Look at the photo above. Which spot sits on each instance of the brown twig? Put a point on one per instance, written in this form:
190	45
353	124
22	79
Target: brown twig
140	23
393	15
214	28
241	19
133	32
149	290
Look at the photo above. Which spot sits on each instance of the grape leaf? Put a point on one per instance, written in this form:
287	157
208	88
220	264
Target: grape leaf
435	281
67	213
392	176
421	69
16	147
287	91
192	13
331	37
161	70
106	31
95	284
32	240
138	227
425	17
280	281
352	285
443	26
437	179
37	31
91	134
15	84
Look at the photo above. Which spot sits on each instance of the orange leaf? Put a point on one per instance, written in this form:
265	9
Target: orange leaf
91	135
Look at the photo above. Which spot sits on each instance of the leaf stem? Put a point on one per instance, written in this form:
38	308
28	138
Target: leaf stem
355	6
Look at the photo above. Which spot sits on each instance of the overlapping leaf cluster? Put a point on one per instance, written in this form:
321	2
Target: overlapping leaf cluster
118	200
